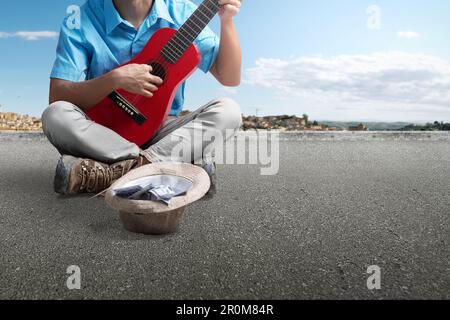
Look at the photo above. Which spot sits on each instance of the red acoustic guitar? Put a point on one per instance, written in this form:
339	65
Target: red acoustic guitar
173	57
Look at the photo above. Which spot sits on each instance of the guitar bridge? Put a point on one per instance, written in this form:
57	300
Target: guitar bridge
128	108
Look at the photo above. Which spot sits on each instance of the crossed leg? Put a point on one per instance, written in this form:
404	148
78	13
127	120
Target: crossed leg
69	129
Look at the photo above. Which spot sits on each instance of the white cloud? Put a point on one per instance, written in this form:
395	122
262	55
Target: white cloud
30	35
390	76
4	35
386	82
408	34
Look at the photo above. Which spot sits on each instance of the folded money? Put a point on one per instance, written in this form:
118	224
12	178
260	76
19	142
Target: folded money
155	188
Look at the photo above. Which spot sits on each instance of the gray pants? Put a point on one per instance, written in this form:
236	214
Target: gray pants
72	133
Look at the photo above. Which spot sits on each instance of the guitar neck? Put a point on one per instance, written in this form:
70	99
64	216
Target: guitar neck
190	30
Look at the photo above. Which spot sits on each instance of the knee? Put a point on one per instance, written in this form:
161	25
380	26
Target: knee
230	114
55	115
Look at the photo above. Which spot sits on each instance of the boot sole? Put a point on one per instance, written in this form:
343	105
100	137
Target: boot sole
61	182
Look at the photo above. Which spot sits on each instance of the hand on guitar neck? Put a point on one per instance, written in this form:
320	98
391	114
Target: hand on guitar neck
229	9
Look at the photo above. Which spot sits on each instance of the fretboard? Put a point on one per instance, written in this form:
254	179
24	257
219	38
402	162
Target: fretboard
190	30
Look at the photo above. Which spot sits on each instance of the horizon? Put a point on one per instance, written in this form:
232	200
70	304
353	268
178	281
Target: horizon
291	115
353	61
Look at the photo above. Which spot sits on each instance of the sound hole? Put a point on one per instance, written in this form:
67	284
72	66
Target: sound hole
158	70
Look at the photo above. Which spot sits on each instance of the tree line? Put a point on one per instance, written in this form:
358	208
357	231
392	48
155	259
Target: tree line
436	126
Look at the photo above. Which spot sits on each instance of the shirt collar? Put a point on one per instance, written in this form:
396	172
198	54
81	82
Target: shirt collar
113	18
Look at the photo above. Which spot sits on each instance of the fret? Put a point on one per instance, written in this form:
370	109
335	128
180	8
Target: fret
178	38
187	25
176	46
202	13
211	11
178	43
186	44
172	54
167	56
198	20
185	30
170	49
190	30
193	23
206	12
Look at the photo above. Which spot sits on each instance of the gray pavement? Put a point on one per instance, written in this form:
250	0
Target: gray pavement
335	208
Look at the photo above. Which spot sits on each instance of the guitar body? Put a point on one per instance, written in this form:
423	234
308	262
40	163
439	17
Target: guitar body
116	113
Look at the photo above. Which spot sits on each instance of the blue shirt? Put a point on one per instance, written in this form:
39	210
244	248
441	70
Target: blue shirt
105	41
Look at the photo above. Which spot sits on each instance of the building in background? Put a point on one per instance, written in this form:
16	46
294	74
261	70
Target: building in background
360	127
10	121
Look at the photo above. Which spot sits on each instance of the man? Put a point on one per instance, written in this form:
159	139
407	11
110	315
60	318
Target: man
111	33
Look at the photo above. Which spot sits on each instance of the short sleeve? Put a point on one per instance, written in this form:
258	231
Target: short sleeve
207	42
72	56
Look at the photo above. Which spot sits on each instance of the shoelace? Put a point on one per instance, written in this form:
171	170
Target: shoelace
95	178
98	178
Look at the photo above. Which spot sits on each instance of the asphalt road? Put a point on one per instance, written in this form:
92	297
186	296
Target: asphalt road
311	231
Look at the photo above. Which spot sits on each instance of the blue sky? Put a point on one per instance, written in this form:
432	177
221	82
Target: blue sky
334	60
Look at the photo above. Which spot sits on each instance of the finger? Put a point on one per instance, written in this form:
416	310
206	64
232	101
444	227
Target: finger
235	3
155	80
225	2
149	77
146	93
150	87
147	68
231	9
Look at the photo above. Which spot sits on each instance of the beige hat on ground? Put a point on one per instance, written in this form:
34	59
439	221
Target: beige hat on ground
157	217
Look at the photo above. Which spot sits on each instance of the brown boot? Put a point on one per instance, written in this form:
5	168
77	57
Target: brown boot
75	176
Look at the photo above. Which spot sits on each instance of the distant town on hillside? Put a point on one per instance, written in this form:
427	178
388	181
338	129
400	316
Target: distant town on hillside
295	123
10	121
